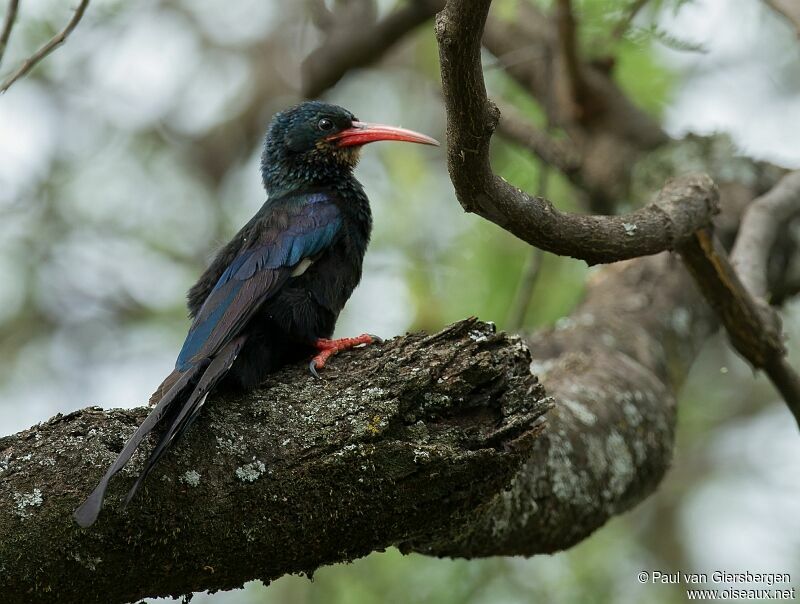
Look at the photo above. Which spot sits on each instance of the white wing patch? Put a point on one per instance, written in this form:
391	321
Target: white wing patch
302	267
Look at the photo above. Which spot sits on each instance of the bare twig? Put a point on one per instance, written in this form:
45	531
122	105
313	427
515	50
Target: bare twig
8	25
624	24
760	224
789	9
568	45
527	283
320	14
533	266
682	207
754	332
45	50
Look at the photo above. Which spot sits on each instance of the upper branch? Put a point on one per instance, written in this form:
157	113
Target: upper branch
356	46
682	207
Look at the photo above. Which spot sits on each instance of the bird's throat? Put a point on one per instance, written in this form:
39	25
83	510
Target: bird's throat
328	167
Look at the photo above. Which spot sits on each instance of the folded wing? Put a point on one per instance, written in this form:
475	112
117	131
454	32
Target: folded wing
293	231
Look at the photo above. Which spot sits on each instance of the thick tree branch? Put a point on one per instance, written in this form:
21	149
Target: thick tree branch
682	207
356	46
45	50
404	444
614	368
398	443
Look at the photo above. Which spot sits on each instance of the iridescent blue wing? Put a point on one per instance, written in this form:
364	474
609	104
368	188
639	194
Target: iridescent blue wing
294	231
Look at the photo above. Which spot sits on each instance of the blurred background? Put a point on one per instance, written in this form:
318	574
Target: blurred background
125	162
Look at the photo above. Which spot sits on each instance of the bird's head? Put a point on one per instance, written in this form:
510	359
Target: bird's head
316	142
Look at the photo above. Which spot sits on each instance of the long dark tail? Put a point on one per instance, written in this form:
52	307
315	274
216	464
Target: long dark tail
198	382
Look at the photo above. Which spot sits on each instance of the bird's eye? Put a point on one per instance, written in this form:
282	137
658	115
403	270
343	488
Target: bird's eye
325	124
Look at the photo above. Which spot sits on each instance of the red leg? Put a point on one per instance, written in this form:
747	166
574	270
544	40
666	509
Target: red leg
328	348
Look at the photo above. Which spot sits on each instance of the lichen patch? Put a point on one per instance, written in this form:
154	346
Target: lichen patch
26	501
580	411
251	472
621	467
191	477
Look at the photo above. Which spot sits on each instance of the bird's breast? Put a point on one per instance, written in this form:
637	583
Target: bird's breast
331	278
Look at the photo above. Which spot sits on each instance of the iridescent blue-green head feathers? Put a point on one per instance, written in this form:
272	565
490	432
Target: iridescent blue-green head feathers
316	143
297	151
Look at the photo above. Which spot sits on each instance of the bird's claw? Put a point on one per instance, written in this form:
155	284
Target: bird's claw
328	348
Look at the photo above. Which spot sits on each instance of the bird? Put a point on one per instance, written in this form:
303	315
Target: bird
272	295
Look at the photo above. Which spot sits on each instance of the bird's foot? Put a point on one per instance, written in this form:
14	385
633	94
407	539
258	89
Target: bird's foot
328	348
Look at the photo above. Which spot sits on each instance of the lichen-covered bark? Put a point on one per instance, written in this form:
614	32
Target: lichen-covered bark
425	442
429	443
399	442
